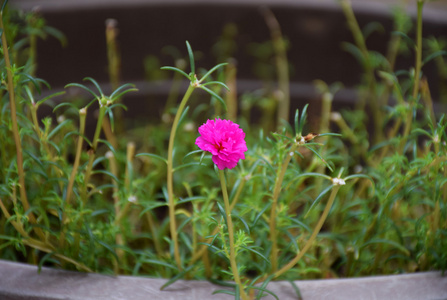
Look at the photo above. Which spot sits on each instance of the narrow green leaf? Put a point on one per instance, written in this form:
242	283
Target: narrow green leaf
111	119
58	128
120	105
106	173
49	97
153	156
354	51
4	5
225	292
30	95
160	263
151	207
407	39
125	88
259	215
216	82
247	228
191	153
263	286
176	277
95	83
319	156
55	146
191	58
84	88
222	283
433	56
297	118
296	289
78	134
189	199
44	259
56	34
214	95
222	212
211	71
69	104
263	290
256	252
371	28
393	244
183	116
176	70
107	143
318	199
330	134
303	120
283	136
109	248
186	166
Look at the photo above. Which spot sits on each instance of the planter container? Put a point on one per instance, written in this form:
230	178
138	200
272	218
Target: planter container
314	29
22	282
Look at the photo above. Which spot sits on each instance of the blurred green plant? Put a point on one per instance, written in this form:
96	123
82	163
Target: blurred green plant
147	205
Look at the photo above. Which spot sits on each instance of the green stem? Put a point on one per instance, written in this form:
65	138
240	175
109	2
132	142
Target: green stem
82	118
170	173
326	107
40	134
317	229
281	66
233	262
417	74
418	62
204	247
273	211
369	70
114	68
102	112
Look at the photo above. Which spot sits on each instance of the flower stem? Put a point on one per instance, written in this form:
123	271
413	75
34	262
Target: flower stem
170	173
69	192
273	211
102	112
417	74
204	246
313	236
82	118
231	235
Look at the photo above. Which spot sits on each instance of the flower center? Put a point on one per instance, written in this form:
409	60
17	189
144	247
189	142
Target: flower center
219	147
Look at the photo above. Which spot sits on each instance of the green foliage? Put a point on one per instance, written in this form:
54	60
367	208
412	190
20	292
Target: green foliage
101	203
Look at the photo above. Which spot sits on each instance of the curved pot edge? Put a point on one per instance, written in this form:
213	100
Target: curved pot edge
435	12
21	281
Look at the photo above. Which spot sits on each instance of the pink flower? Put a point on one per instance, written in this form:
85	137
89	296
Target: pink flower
224	140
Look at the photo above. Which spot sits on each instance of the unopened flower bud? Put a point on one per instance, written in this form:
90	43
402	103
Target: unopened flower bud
109	154
61	119
338	181
335	116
